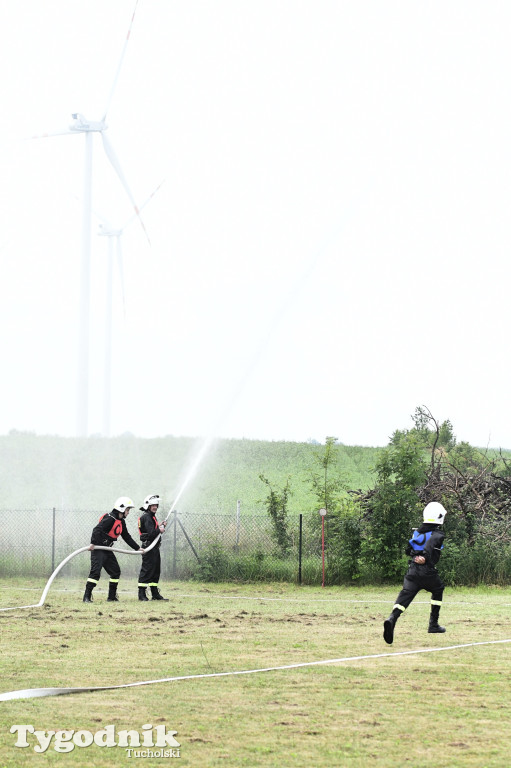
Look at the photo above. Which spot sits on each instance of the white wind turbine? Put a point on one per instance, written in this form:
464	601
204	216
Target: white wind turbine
107	230
88	127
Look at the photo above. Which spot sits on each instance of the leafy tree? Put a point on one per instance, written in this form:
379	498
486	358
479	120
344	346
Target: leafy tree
343	519
276	505
437	438
328	488
465	458
392	508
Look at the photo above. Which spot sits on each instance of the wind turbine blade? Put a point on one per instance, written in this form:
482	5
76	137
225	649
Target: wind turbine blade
65	132
152	195
114	84
121	273
115	163
134	216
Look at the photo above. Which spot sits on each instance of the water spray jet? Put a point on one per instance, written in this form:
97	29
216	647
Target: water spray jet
191	473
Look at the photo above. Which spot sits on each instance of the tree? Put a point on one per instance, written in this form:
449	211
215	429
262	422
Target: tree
392	507
425	464
328	489
276	505
343	519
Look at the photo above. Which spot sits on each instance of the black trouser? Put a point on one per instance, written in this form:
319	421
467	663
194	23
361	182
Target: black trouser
149	575
100	558
417	578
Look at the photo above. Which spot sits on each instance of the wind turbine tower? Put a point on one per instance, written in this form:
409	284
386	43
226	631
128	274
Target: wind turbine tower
113	234
86	127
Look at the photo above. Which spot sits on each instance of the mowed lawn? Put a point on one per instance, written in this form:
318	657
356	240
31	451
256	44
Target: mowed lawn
445	708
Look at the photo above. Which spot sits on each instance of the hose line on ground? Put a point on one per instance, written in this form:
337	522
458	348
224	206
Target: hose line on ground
70	557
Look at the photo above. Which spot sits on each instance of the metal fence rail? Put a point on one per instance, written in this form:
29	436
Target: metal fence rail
34	542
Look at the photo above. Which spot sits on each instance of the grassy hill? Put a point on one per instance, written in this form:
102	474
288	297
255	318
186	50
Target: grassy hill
90	473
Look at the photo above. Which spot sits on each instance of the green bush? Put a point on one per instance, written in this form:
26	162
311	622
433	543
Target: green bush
483	563
344	537
213	564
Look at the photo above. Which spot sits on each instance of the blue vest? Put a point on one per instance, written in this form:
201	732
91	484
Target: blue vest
419	540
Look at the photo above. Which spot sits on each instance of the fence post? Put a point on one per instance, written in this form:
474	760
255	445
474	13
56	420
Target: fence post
300	551
175	545
53	542
238	507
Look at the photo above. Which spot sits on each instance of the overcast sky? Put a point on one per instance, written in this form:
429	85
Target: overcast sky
330	246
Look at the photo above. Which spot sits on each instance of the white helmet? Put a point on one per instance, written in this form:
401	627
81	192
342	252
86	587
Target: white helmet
434	512
149	501
123	504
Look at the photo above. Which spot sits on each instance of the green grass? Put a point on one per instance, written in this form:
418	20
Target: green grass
450	708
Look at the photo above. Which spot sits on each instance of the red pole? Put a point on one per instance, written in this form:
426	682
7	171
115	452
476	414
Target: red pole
323	548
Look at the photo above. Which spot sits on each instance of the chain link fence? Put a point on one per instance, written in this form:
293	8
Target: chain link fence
205	546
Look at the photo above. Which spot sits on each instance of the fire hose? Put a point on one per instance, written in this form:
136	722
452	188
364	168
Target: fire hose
74	554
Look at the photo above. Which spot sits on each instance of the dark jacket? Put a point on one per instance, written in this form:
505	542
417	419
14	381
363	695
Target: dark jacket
109	528
432	547
149	529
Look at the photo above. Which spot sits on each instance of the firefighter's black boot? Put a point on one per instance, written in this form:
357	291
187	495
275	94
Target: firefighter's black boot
389	624
434	626
155	594
142	595
87	596
112	592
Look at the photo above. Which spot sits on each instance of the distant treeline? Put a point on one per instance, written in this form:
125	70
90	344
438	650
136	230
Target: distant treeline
85	473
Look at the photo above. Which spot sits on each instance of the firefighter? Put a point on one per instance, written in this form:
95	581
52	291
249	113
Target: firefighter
424	548
110	527
149	529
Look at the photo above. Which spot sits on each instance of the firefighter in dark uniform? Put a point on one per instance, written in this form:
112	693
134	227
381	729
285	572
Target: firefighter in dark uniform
107	531
424	548
149	529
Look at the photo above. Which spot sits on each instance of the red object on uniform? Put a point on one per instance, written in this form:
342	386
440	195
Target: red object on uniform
116	529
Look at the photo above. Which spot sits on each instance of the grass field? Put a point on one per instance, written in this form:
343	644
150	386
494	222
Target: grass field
43	471
446	708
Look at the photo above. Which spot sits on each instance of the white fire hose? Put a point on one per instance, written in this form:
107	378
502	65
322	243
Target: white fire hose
77	552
